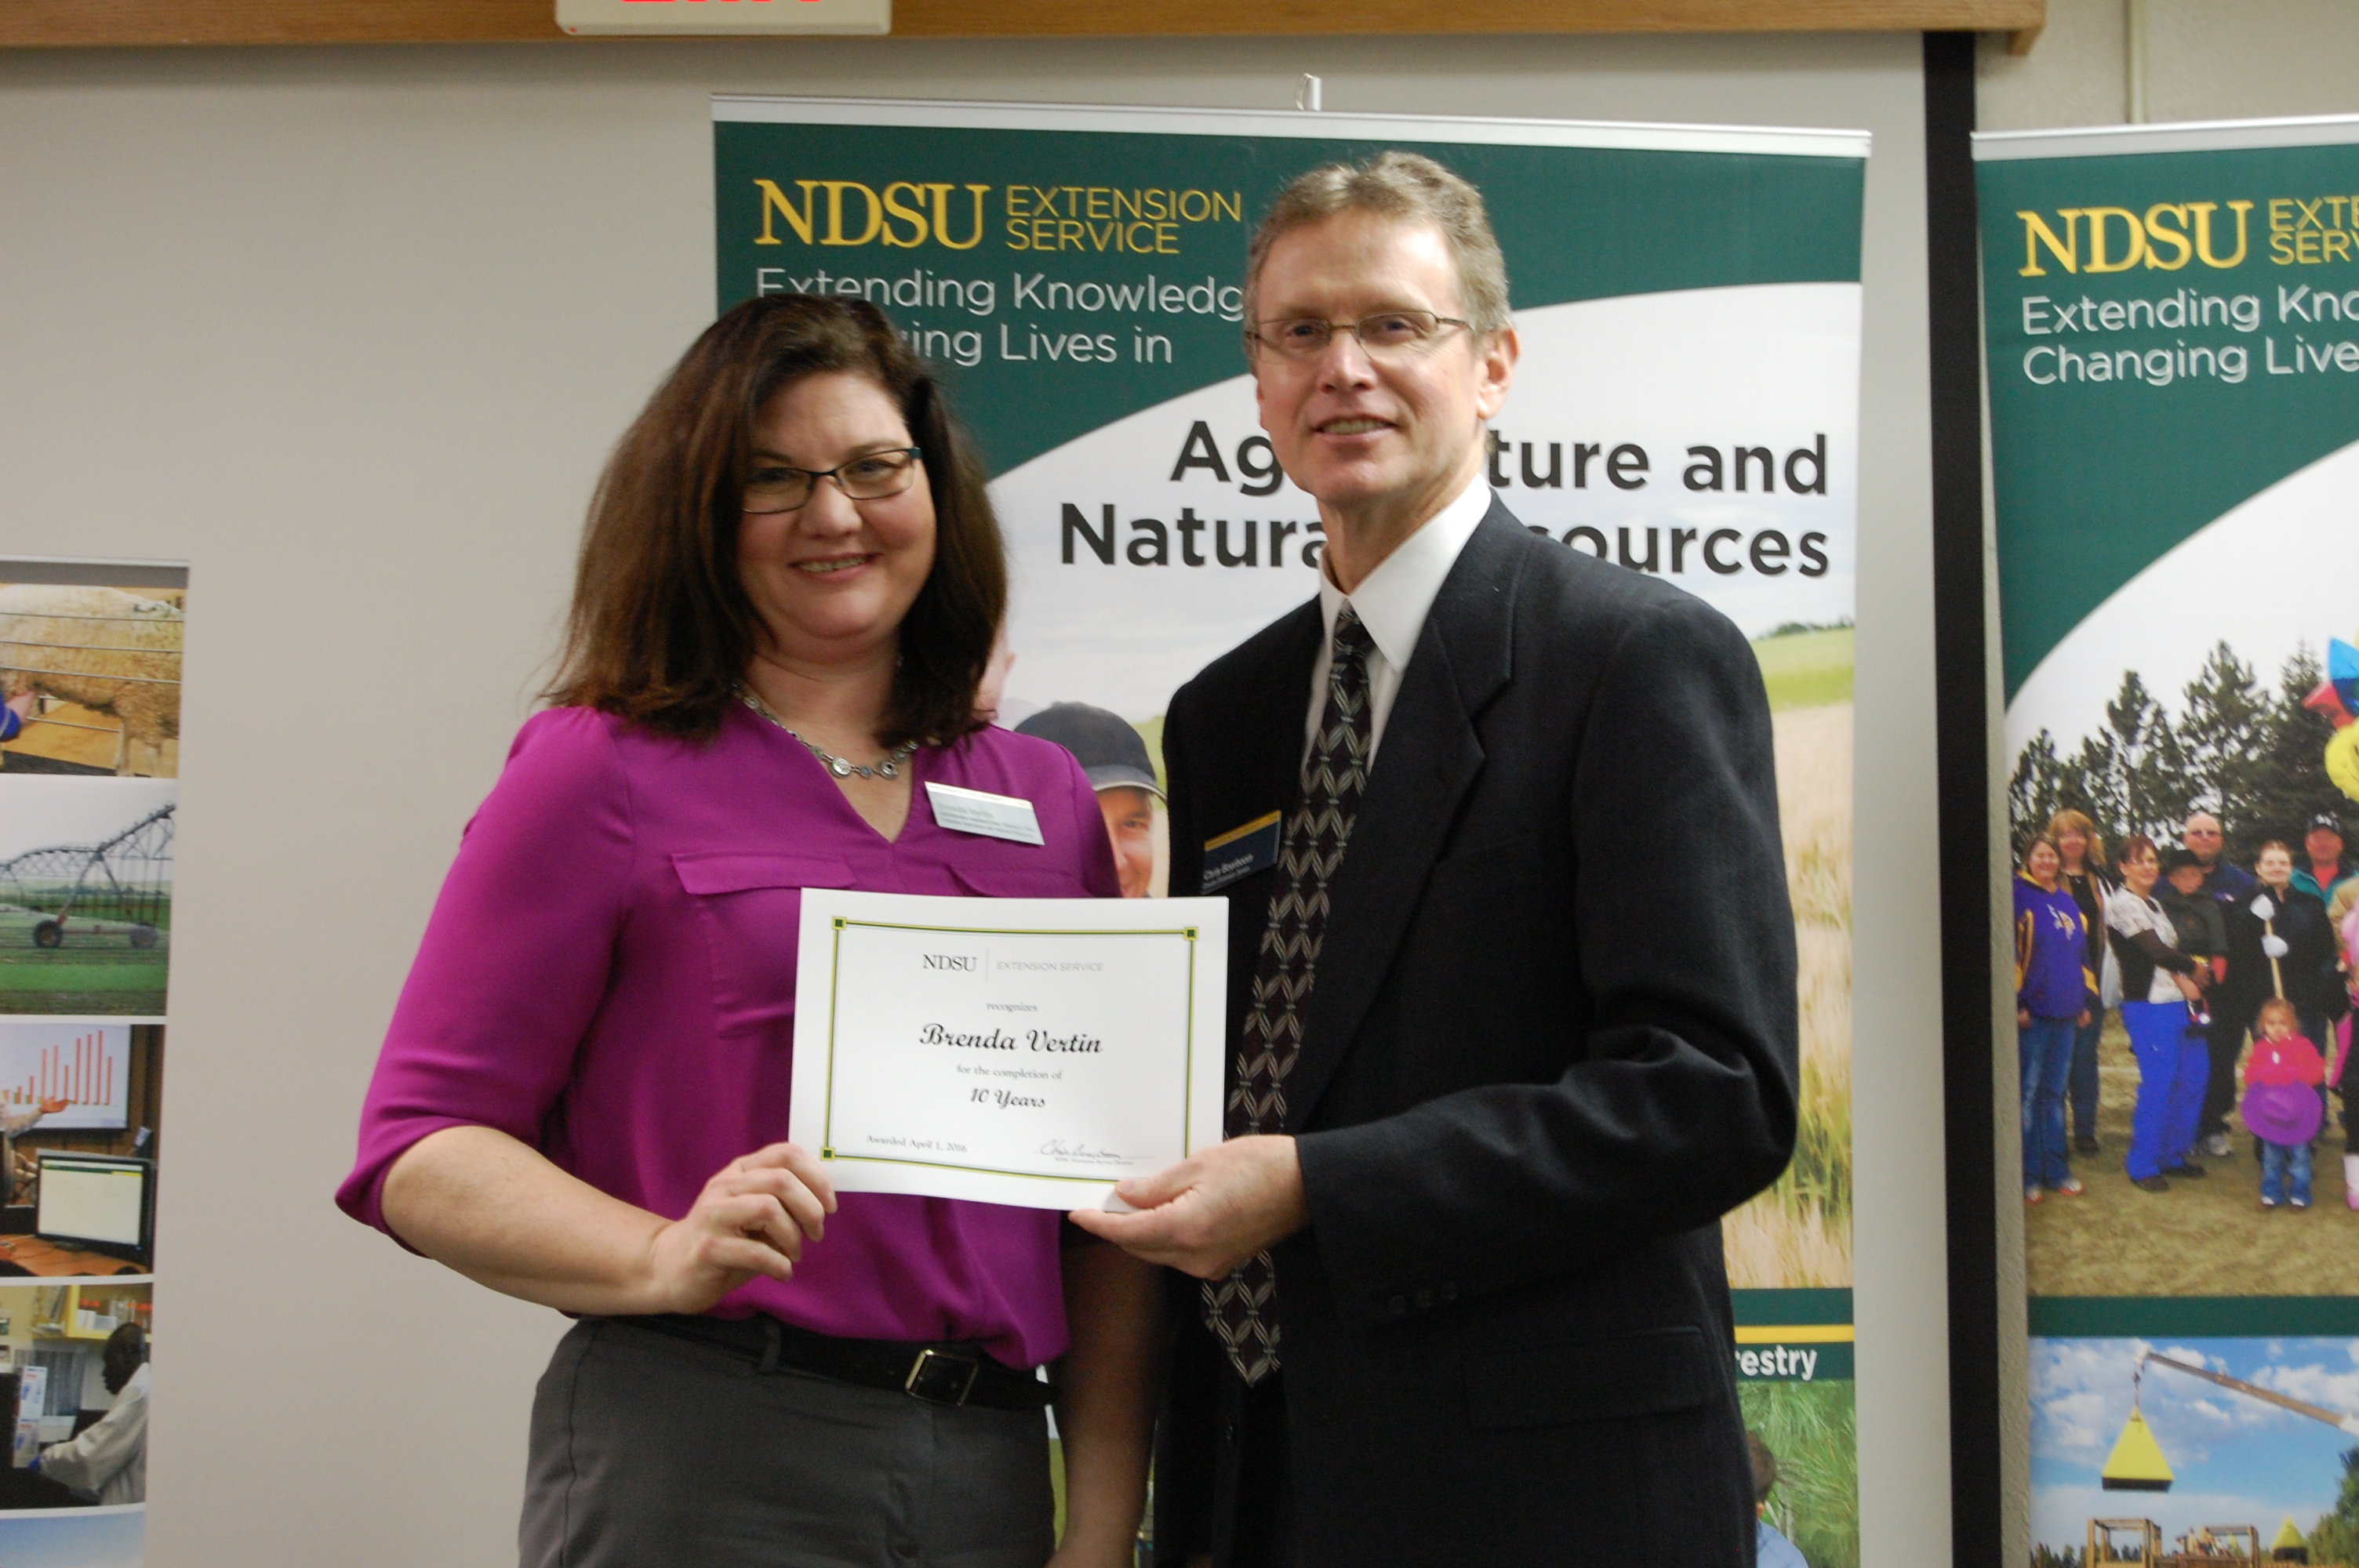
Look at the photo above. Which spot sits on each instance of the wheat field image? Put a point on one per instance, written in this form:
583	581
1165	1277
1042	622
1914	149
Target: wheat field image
1797	1235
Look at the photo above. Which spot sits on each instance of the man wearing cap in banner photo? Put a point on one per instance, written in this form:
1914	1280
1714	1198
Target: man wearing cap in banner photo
1115	757
1511	977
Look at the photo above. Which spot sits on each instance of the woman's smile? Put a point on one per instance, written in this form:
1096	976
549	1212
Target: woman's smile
834	563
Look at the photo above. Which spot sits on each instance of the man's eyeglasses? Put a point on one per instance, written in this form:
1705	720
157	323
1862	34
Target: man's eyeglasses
871	476
1392	333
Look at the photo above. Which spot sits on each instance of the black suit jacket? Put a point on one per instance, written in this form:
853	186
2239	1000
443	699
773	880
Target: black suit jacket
1551	1039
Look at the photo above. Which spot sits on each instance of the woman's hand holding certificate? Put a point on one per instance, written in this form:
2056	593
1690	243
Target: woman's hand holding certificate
1032	1052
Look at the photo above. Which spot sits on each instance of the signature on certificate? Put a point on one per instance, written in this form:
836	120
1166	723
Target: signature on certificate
1081	1153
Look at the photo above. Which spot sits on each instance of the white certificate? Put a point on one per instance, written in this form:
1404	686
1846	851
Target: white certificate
1026	1051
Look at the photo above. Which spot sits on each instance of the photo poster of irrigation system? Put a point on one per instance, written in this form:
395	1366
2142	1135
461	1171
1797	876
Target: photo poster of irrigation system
1686	405
2173	365
89	724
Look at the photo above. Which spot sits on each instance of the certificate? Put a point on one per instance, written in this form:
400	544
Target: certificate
1025	1051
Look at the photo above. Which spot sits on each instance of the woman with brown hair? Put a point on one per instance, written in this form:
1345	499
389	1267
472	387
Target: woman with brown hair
2052	989
788	593
2081	854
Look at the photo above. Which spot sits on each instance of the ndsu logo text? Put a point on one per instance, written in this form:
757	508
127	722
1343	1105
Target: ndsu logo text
905	214
2169	236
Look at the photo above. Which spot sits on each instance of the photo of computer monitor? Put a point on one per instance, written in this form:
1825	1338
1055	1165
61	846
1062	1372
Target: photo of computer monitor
100	1202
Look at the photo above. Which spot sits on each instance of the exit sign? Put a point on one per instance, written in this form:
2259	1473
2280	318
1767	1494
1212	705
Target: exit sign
654	18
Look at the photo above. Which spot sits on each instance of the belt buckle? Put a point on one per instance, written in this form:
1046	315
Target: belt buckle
934	1371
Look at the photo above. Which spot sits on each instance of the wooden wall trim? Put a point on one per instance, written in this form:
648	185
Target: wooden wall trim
34	24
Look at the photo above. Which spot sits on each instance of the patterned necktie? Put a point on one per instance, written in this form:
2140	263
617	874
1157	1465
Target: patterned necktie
1242	1310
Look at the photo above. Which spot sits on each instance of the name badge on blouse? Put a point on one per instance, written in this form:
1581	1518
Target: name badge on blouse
981	812
1241	851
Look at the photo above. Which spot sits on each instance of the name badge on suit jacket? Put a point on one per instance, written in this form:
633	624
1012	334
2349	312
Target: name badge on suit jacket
1241	851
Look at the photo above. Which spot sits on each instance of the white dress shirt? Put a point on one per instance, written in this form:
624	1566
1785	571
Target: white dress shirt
1393	602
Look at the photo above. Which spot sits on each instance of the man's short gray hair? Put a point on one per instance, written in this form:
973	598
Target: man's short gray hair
1408	188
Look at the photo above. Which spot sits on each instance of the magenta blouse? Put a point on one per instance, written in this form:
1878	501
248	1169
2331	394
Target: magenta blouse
609	975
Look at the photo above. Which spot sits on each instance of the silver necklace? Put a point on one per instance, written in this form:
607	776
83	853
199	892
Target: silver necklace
842	768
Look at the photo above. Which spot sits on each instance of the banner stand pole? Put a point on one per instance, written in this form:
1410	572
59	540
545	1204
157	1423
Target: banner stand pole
1962	722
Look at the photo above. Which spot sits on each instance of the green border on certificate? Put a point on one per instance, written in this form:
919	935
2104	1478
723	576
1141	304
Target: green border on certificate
1187	1113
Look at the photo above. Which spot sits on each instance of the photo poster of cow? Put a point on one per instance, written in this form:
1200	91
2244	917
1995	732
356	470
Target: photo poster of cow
1688	301
90	726
2174	391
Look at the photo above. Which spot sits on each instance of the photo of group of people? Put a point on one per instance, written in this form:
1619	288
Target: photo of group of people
2202	958
2186	923
2186	941
89	686
2185	816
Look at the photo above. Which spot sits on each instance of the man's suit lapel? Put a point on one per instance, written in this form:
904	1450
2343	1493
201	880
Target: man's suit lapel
1430	758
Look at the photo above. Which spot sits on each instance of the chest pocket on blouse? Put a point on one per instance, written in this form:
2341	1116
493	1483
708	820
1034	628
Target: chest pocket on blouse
750	907
1001	879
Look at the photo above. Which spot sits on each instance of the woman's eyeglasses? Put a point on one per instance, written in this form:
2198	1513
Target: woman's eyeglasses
871	476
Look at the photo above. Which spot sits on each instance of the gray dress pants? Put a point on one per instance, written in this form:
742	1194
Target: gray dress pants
649	1450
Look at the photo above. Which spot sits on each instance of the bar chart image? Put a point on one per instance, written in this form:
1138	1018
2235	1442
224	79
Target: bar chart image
85	1065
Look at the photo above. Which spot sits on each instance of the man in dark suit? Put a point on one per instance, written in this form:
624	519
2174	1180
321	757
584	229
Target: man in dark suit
1511	976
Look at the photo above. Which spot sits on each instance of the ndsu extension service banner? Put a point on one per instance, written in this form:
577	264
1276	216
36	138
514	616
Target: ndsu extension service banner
2174	392
1687	405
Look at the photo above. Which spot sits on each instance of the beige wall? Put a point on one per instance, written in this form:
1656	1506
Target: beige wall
2203	59
350	331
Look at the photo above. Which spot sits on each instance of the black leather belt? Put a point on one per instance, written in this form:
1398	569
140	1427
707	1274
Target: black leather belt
943	1373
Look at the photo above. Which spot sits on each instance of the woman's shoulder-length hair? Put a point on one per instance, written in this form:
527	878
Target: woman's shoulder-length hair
661	629
2070	820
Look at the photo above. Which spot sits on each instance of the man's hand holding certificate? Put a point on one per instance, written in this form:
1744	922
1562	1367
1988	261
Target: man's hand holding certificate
1017	1051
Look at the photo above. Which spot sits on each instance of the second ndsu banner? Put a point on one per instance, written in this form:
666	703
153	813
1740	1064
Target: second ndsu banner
2174	393
1687	405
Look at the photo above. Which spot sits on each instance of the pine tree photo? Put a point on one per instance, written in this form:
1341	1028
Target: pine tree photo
2251	756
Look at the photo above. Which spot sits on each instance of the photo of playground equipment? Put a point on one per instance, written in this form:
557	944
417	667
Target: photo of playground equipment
2206	1546
2225	1445
2137	1465
96	672
86	895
